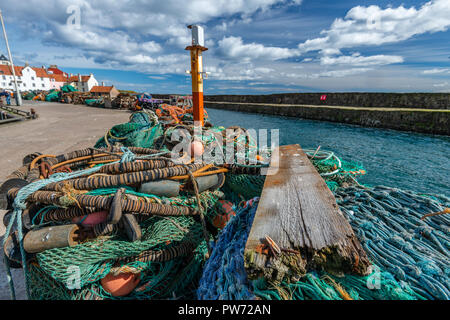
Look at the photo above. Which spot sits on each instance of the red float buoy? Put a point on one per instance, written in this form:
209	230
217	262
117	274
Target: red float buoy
92	219
196	148
120	285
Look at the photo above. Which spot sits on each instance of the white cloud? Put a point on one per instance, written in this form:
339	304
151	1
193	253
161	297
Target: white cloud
436	71
234	48
130	32
341	73
442	84
373	26
357	60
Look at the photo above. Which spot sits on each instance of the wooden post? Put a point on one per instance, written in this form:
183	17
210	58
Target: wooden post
300	214
197	78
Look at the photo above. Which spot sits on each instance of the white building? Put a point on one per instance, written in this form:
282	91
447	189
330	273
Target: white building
28	78
83	83
31	78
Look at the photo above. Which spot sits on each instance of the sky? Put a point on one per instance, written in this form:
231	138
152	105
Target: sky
254	46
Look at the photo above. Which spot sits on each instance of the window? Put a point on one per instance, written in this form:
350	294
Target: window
4	78
43	85
32	78
42	79
34	84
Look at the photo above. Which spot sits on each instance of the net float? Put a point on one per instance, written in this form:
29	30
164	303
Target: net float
120	285
196	149
51	237
92	219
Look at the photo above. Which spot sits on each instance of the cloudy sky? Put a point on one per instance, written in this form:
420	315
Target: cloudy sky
255	46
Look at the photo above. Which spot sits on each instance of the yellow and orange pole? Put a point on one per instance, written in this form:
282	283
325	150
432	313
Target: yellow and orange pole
197	73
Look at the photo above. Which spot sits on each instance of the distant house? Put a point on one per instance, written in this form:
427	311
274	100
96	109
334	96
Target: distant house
109	91
53	69
83	83
28	78
4	60
58	80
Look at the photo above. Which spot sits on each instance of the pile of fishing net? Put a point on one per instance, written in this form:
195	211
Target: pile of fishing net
159	242
405	236
68	88
99	103
29	96
186	238
146	101
53	95
142	130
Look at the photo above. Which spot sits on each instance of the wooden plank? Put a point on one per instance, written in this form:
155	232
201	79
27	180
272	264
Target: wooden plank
300	214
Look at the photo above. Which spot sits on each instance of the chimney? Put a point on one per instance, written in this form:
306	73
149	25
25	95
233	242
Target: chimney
103	84
79	77
27	64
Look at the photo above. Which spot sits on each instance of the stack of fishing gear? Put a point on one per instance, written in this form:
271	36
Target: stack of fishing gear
111	223
146	101
405	235
119	220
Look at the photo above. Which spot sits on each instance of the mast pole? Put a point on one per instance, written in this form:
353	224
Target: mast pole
17	95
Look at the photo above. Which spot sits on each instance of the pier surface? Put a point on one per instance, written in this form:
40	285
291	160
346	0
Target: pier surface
300	214
59	128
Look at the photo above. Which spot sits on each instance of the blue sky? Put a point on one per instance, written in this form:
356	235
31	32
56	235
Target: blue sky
255	46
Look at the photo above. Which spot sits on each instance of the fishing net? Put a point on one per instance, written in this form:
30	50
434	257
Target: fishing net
68	88
52	96
140	131
336	172
94	259
409	253
29	96
408	268
95	102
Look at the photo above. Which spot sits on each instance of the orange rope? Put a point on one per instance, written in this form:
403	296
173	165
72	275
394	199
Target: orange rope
81	158
201	174
446	210
33	163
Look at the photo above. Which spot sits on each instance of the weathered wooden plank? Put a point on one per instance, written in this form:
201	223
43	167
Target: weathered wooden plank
300	214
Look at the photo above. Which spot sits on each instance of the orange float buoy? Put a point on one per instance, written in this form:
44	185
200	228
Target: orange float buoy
196	149
120	285
92	219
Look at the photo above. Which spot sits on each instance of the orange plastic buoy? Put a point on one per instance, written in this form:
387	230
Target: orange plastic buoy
196	149
120	285
92	219
226	208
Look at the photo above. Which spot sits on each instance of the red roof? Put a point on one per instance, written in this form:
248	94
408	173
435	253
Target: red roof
75	78
7	71
55	70
58	77
102	89
40	72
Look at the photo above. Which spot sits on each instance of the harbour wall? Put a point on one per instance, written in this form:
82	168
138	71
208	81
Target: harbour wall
354	99
417	112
